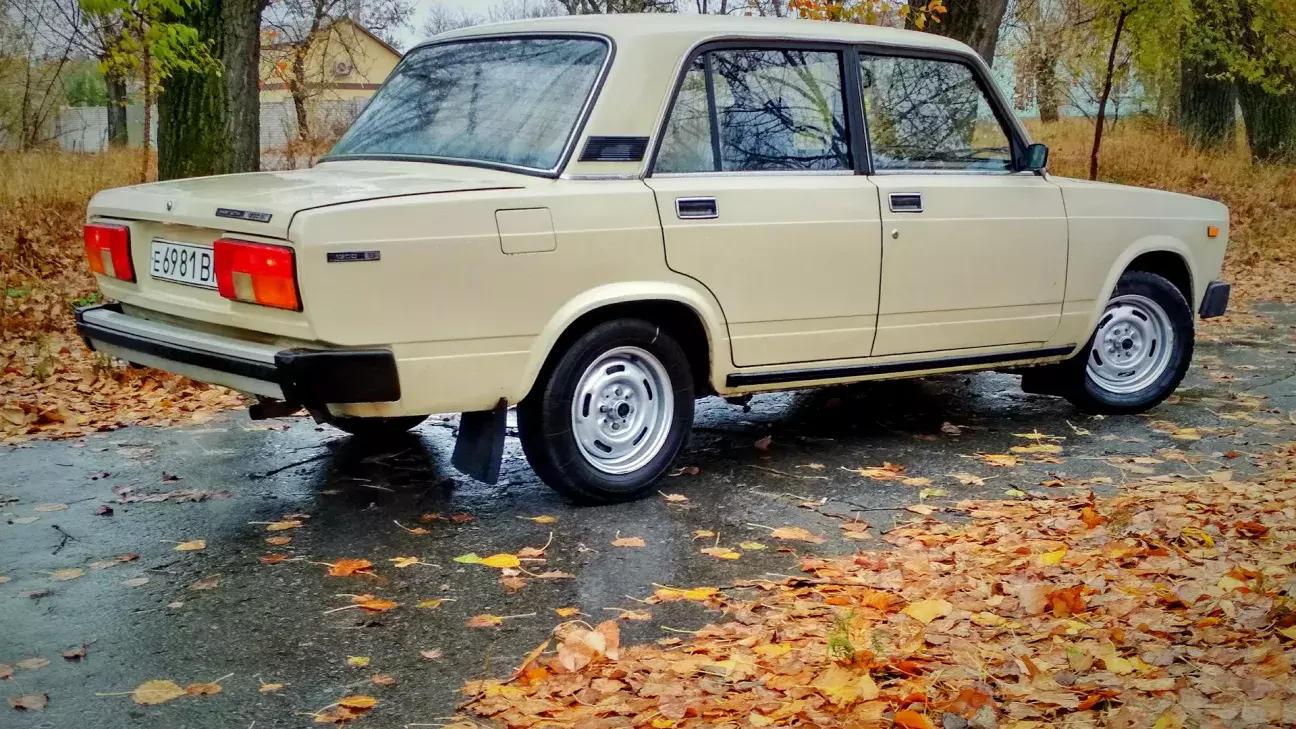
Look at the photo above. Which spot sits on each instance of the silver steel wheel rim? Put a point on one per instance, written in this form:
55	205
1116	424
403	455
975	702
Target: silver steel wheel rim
1133	345
622	410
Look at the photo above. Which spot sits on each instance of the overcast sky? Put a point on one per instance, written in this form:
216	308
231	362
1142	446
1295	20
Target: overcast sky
410	37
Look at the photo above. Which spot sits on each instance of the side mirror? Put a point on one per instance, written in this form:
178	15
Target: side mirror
1036	157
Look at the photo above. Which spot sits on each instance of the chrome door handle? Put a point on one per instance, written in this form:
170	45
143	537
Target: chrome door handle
696	208
906	202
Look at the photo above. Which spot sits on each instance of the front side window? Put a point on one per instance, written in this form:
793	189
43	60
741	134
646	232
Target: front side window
762	110
929	114
504	101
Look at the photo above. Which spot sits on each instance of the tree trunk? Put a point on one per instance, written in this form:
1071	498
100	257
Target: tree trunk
1207	106
1106	93
974	22
209	121
1270	123
1047	94
242	72
297	88
116	84
149	95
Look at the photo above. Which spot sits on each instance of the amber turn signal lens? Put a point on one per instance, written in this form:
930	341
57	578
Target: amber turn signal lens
1212	231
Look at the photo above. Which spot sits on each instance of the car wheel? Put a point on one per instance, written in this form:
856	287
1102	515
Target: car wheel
1139	352
608	417
376	428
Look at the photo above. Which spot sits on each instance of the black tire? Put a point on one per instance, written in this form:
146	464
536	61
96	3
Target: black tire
546	417
1088	392
376	428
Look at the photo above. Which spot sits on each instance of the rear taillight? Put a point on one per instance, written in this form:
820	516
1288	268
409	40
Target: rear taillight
108	250
256	273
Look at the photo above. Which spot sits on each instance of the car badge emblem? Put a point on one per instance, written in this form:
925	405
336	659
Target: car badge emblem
169	205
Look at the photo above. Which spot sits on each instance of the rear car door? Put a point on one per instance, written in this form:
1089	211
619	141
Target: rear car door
974	252
757	186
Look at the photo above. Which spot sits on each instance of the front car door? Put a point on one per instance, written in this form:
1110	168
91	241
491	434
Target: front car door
974	252
760	200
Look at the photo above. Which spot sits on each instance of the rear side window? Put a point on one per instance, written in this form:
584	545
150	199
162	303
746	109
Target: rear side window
758	110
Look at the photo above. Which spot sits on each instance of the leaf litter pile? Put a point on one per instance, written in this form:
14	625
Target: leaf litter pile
1169	605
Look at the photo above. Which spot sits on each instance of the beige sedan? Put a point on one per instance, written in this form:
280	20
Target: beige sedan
600	219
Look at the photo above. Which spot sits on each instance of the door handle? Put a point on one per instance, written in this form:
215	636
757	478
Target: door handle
696	208
906	202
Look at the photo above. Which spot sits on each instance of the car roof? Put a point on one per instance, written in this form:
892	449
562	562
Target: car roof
671	27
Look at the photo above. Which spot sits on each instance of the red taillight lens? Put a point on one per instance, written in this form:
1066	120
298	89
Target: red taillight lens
256	273
108	250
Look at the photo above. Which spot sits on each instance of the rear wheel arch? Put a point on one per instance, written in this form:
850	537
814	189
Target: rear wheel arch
682	320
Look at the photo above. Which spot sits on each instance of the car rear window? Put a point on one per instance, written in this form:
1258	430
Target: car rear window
499	101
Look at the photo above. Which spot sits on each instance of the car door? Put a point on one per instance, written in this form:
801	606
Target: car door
974	252
760	200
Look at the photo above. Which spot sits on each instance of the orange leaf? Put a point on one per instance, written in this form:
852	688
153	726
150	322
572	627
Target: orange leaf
484	621
348	567
911	719
377	606
797	534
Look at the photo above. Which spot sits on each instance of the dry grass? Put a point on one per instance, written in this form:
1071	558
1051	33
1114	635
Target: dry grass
50	384
1261	260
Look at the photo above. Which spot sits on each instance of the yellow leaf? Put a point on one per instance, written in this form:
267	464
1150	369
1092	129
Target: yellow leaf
721	553
703	534
926	611
540	519
269	688
67	574
403	562
843	687
773	650
280	526
1049	559
156	692
1288	632
752	546
502	561
987	620
1168	720
1228	584
191	546
1000	460
359	702
1186	434
567	612
358	661
662	723
433	602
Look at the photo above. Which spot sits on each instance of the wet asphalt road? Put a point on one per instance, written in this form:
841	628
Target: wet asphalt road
269	623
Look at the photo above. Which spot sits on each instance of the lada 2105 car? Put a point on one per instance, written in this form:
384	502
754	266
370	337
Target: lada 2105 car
600	219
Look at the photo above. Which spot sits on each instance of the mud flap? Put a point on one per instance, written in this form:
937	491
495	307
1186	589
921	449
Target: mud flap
479	449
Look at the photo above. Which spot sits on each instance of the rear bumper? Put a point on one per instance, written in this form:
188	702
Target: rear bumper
1215	301
310	377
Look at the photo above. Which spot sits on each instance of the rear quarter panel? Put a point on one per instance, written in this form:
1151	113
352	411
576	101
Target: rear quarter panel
469	323
1111	225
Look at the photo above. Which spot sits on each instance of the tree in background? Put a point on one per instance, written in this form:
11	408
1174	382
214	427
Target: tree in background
33	65
308	29
153	44
922	16
210	116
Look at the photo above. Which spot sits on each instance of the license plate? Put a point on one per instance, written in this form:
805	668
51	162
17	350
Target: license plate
182	263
